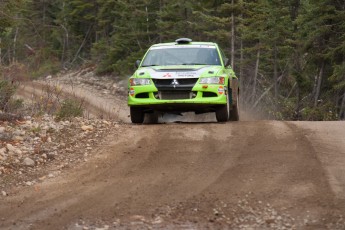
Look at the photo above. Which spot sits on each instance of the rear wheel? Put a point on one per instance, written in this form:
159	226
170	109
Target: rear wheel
137	115
222	113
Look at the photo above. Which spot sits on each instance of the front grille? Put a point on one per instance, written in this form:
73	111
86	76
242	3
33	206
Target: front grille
181	81
175	95
184	84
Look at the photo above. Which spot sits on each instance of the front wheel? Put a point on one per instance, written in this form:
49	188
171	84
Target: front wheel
137	115
234	112
235	94
234	115
151	118
222	113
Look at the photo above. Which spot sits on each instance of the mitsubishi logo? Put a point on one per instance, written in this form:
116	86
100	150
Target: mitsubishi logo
167	75
174	83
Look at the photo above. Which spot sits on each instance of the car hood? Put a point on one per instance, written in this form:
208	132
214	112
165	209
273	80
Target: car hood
163	72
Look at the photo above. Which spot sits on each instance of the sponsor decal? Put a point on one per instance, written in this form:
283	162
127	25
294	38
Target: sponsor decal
167	75
221	90
186	74
195	73
131	92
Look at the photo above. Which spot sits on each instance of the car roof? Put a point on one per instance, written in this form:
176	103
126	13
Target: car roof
184	44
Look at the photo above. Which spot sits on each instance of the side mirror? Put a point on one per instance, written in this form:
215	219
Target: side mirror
137	63
226	61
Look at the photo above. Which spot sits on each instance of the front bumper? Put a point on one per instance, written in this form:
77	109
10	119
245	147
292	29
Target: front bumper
201	97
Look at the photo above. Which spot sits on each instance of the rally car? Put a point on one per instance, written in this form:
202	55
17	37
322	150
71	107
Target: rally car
183	76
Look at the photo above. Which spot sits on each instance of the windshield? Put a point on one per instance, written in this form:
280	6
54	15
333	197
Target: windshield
182	55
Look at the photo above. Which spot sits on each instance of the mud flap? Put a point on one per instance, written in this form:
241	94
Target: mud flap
234	111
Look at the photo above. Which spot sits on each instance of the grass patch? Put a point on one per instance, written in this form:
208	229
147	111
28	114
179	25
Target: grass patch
70	108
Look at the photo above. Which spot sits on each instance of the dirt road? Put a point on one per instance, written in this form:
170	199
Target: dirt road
239	175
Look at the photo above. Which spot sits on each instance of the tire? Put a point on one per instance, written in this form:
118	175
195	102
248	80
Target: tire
234	115
137	115
222	113
151	118
234	112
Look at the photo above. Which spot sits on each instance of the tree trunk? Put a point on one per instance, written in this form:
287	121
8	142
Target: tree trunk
14	45
319	82
9	53
275	70
160	18
232	37
241	57
0	53
342	109
65	45
241	61
297	114
241	72
313	93
65	57
44	20
82	44
298	79
262	96
294	11
147	24
256	72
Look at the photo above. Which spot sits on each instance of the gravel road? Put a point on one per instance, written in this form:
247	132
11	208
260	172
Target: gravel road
236	175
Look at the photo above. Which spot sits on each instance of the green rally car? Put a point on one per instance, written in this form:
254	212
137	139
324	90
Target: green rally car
183	76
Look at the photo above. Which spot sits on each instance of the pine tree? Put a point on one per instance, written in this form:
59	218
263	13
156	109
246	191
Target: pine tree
133	30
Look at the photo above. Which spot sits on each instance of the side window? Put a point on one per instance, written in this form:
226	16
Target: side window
225	60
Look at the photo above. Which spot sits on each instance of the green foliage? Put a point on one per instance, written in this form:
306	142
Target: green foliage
70	108
36	130
48	67
338	77
325	112
297	47
132	30
7	91
15	105
284	110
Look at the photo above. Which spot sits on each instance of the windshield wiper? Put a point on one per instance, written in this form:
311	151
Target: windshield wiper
194	64
149	65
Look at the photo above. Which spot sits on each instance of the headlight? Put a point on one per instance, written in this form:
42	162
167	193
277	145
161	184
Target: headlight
139	81
212	80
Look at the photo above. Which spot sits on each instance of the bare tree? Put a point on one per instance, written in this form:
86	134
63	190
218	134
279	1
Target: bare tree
318	86
232	36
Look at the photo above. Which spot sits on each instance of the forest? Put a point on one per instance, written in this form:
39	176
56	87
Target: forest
289	55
